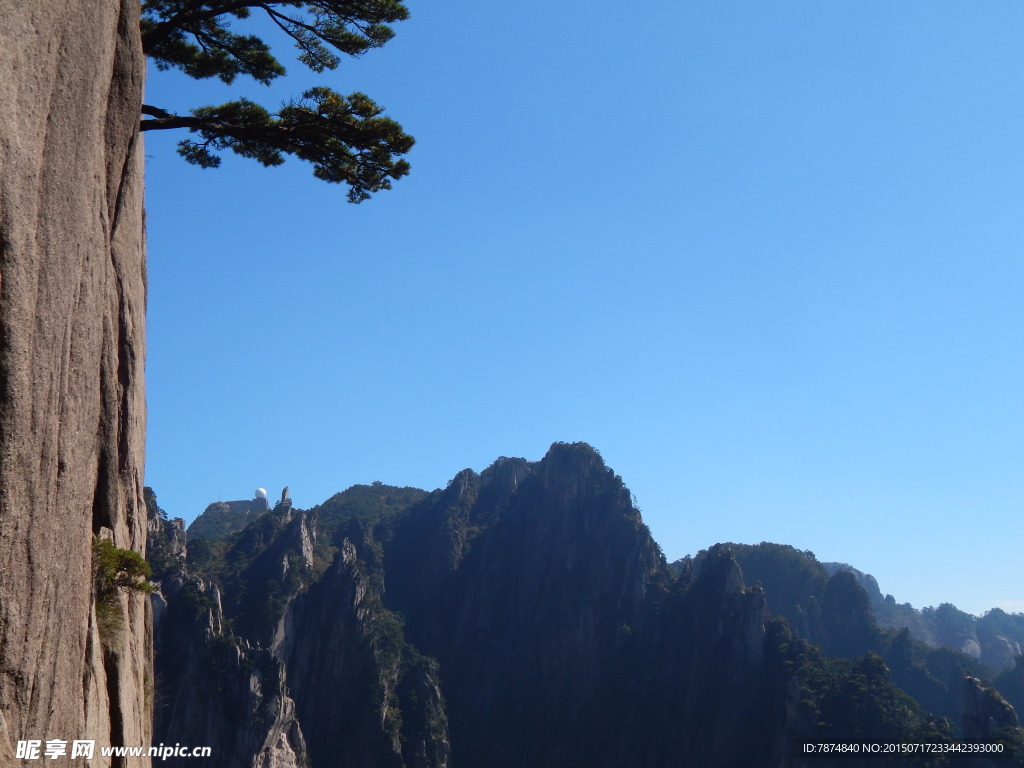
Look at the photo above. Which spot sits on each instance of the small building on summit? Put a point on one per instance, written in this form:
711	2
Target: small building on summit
258	503
222	518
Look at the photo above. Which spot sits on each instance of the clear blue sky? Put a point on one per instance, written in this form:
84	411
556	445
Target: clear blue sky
766	257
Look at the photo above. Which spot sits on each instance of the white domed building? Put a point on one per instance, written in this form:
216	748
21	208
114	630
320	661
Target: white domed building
259	501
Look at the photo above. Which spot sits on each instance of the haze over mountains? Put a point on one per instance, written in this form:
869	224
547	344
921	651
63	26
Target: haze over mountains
525	616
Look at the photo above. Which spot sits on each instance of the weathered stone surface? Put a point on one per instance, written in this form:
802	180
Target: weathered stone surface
72	406
326	666
986	713
218	691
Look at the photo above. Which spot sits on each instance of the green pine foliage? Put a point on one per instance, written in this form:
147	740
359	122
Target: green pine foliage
789	576
373	505
219	521
854	701
204	557
346	138
197	37
116	570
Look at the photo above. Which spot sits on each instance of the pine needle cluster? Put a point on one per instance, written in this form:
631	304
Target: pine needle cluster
346	138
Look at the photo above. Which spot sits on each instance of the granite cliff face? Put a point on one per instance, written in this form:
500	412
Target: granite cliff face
538	568
225	695
521	616
986	713
297	661
72	408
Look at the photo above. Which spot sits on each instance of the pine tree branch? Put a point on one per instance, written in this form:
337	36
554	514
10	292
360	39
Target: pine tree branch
149	109
346	138
181	121
162	30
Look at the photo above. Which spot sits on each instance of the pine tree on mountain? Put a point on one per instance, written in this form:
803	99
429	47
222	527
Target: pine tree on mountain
346	138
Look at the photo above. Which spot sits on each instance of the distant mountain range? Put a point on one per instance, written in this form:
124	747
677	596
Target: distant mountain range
524	616
795	583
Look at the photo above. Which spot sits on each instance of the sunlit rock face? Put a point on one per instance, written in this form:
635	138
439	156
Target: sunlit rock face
72	406
986	713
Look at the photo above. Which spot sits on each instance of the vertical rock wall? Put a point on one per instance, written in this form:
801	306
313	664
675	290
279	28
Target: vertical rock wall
72	407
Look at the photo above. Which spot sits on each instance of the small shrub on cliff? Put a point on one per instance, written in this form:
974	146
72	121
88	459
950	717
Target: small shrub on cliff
115	569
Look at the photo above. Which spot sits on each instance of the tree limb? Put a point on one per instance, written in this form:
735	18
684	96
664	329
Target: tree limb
160	31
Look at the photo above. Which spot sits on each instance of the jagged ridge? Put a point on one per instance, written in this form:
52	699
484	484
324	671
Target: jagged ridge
525	616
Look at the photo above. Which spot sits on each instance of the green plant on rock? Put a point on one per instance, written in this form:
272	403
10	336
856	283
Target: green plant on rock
116	569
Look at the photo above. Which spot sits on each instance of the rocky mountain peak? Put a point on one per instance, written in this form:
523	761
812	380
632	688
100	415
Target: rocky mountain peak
986	714
525	616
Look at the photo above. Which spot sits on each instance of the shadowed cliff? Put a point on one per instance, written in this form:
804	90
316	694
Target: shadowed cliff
525	616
